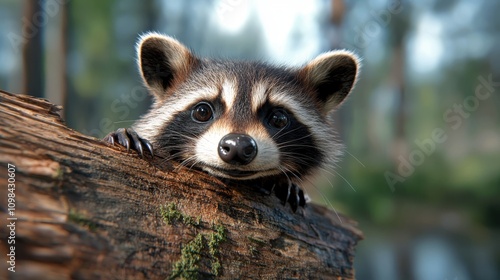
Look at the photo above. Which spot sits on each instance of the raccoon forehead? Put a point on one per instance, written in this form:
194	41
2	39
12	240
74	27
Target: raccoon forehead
259	96
228	92
302	108
223	88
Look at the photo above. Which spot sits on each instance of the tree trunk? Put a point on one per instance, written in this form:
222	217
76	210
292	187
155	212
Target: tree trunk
33	28
56	70
84	209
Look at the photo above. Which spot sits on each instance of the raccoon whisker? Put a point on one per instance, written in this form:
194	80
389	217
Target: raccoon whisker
291	169
163	161
304	160
193	164
178	146
295	174
338	174
294	146
292	151
192	137
295	162
323	196
294	140
188	161
173	156
278	135
299	157
186	134
194	161
167	158
183	136
285	171
330	204
355	158
178	167
176	135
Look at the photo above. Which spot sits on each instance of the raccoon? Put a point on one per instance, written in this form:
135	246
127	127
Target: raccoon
241	120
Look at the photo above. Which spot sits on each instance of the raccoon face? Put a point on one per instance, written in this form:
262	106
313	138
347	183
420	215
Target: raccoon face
242	120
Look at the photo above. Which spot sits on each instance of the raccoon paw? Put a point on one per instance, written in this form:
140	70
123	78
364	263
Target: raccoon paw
292	194
128	138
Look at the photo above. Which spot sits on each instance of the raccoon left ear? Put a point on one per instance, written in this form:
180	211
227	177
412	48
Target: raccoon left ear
331	76
163	62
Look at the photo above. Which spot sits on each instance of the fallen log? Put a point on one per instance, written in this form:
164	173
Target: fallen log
80	208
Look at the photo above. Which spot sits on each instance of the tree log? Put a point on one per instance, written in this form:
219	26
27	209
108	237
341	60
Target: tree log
84	209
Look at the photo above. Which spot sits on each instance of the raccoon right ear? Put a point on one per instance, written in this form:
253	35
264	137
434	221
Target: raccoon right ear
331	76
163	62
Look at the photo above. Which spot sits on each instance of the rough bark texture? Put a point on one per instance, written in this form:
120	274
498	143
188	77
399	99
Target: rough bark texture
88	210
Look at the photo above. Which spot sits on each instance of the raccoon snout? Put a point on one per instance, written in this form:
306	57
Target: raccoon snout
237	149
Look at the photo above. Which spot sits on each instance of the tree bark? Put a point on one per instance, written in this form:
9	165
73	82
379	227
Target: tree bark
84	209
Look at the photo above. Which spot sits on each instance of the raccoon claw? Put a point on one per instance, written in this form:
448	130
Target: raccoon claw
293	195
126	137
296	197
293	198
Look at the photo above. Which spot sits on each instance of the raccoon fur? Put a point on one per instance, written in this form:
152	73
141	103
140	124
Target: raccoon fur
240	120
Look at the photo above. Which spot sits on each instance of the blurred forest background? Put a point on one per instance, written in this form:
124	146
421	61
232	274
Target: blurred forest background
421	172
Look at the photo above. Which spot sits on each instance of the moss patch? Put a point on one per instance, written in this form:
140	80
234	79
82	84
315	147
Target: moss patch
257	243
80	219
170	215
215	238
188	266
256	240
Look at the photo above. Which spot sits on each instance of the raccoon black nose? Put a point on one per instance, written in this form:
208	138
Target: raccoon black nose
237	149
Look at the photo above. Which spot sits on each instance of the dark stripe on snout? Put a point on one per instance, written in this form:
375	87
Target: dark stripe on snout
241	112
247	75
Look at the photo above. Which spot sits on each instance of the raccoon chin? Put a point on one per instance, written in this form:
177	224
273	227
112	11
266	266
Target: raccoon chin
236	174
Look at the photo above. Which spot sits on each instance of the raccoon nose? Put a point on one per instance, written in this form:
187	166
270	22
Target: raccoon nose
237	149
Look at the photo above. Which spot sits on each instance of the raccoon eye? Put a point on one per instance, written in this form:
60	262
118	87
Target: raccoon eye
202	112
278	118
